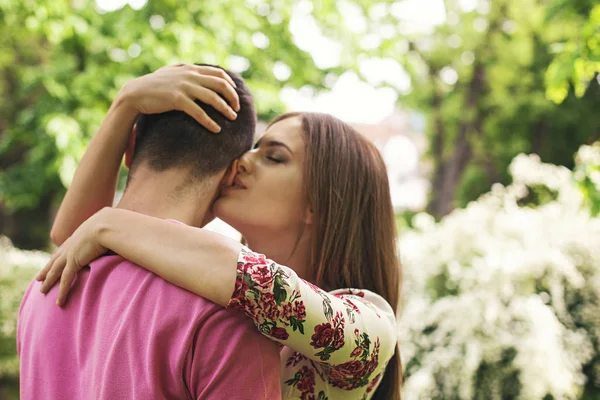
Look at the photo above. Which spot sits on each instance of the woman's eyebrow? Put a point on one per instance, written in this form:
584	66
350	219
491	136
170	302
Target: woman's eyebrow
273	143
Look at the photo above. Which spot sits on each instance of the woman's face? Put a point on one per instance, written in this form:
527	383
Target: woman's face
268	194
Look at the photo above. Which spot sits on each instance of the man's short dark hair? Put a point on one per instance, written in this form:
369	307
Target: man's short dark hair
175	139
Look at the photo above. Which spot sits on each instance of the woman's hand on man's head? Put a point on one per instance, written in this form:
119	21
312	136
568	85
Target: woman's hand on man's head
176	87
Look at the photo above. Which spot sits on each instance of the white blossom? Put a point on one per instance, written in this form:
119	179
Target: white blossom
496	294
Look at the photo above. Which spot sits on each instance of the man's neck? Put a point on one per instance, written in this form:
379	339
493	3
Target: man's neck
149	206
157	196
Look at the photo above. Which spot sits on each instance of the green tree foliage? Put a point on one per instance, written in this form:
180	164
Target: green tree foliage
587	176
479	76
577	61
62	62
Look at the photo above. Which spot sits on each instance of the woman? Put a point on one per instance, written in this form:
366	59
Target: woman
313	195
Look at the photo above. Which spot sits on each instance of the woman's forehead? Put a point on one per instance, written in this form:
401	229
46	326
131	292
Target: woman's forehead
288	131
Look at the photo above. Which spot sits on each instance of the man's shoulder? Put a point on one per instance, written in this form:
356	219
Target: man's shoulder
115	271
211	321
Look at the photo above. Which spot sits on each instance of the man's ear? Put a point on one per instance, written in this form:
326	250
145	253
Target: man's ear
130	149
229	176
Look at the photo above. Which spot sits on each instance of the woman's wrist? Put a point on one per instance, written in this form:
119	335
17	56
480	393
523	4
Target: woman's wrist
103	222
125	100
122	115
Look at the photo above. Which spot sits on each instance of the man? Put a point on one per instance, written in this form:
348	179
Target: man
126	333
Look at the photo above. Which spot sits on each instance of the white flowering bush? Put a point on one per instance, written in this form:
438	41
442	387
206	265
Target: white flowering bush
17	269
502	299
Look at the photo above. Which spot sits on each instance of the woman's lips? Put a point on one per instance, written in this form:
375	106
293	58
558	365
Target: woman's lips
230	190
238	183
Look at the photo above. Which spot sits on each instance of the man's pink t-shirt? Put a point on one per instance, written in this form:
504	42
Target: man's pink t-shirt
125	333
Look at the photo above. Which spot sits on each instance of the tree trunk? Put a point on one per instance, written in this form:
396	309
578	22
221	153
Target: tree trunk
540	133
9	388
449	172
437	151
29	228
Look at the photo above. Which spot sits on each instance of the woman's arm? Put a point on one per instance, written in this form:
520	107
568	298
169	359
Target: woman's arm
194	259
169	88
94	188
330	328
350	328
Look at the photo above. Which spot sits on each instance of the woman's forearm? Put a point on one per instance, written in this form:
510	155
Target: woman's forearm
194	259
95	180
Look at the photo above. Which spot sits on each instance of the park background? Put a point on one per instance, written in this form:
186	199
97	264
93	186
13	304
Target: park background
486	111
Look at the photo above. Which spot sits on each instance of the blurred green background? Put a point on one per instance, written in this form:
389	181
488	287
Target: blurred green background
490	79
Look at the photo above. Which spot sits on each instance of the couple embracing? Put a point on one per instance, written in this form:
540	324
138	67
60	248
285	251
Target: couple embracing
159	308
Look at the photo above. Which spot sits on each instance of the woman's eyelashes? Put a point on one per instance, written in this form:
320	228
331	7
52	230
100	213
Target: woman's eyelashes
275	159
271	155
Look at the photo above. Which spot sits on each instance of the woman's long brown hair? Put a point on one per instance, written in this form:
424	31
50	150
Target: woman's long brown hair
354	229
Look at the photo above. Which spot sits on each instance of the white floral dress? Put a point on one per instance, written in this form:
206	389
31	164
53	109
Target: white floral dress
335	345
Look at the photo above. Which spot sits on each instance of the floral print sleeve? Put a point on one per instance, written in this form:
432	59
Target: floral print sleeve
343	338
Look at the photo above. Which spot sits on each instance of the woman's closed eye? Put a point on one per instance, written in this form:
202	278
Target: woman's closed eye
275	159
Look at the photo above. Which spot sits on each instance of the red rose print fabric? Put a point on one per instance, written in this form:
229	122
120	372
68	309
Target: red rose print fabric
335	344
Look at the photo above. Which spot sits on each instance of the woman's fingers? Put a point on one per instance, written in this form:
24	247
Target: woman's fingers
44	272
177	87
66	280
41	276
208	96
214	71
188	106
223	87
206	84
54	274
